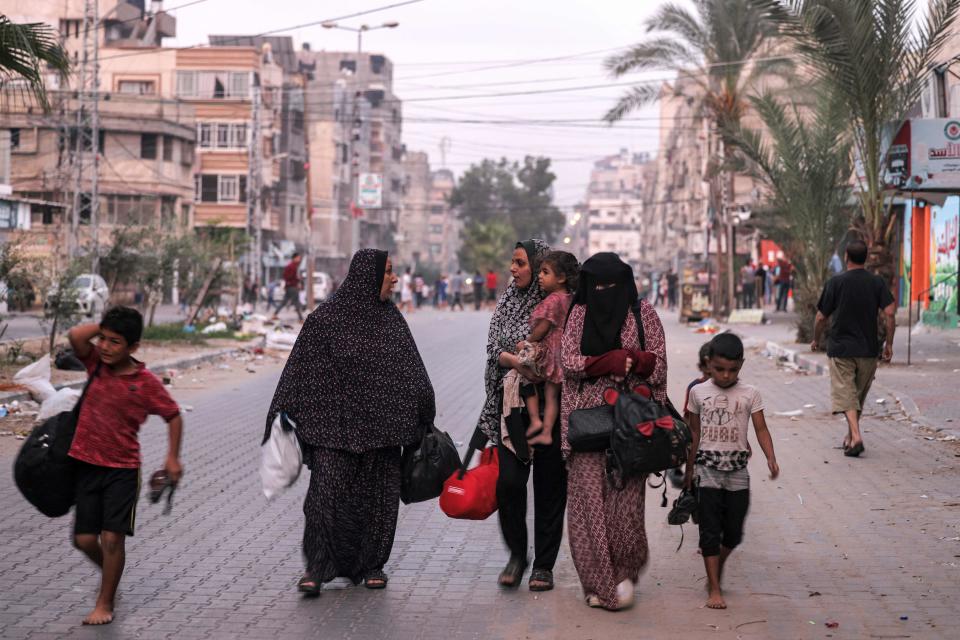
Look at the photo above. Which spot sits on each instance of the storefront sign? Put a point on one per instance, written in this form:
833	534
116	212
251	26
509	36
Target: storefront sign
934	162
370	191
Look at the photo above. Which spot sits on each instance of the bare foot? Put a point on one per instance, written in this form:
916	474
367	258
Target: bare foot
715	600
100	615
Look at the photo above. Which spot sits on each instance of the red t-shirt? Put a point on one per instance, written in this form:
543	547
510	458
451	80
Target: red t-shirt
291	278
491	280
112	412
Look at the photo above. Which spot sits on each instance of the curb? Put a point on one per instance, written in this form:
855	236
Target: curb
907	405
803	361
157	369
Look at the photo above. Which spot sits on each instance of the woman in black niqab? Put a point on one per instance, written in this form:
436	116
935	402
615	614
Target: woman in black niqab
357	390
608	291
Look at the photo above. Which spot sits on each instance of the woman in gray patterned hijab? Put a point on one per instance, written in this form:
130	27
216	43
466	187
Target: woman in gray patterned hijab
510	325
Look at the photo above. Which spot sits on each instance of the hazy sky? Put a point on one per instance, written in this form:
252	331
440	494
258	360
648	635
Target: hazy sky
440	51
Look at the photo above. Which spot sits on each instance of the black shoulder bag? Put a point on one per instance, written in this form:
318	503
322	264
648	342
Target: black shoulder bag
43	471
589	429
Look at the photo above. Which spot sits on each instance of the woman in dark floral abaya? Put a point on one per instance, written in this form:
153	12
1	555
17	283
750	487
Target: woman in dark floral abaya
357	390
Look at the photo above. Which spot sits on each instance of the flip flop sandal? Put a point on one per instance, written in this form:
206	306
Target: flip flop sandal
308	585
512	574
854	451
375	580
541	580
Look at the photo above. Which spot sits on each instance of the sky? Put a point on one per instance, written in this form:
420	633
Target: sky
443	51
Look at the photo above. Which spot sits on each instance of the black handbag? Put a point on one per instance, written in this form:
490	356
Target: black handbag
427	466
588	430
43	471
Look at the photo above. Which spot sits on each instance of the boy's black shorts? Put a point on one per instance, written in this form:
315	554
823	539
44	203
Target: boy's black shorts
106	499
722	514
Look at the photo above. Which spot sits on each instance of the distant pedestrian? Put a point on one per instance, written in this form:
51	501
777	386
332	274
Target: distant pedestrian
720	412
477	290
292	282
784	282
672	280
747	285
760	284
357	391
661	291
406	291
851	302
120	395
418	290
441	294
456	291
491	288
768	285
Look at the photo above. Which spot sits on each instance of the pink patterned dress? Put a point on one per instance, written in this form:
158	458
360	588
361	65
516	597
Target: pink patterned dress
554	310
608	539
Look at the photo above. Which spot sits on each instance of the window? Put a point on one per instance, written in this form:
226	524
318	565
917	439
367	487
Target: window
148	146
376	63
297	124
293	213
436	228
223	135
238	135
14	139
229	189
137	87
186	84
208	188
8	215
213	84
205	135
168	148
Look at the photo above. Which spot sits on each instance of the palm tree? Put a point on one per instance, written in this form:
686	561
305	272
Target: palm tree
721	52
804	160
876	59
24	51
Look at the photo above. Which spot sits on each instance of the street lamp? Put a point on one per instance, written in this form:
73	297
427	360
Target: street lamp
393	24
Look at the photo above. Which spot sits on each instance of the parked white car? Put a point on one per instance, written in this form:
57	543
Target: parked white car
322	287
90	295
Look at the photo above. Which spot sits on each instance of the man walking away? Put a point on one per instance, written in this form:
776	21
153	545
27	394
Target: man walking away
491	288
850	302
456	289
760	284
291	295
748	285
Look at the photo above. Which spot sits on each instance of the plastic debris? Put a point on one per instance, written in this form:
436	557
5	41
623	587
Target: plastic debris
800	497
36	378
881	400
831	624
904	617
789	414
216	327
813	594
809	406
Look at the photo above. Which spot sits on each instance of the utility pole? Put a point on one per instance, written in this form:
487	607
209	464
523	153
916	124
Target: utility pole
355	138
88	136
311	300
255	187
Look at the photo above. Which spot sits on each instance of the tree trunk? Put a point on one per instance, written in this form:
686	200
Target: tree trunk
53	333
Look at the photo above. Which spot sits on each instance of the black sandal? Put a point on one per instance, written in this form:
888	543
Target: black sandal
512	574
541	580
309	585
375	580
854	451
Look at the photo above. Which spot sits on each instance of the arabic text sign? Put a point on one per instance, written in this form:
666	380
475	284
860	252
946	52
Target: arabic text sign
935	152
370	191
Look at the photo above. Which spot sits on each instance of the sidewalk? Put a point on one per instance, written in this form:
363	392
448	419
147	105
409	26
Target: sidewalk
926	388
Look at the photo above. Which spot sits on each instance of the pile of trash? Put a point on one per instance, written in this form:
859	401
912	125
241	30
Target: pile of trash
707	325
36	379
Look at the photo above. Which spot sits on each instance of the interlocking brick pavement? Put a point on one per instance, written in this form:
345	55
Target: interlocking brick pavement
873	536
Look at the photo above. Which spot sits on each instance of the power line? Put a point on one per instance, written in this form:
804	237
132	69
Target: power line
312	23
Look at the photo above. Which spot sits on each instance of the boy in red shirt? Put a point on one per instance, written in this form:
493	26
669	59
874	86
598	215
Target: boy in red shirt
122	393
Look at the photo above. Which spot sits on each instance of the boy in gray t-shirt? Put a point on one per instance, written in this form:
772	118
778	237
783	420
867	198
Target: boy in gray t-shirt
720	411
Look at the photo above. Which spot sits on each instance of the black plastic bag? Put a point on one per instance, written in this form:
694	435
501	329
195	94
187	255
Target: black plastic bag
426	467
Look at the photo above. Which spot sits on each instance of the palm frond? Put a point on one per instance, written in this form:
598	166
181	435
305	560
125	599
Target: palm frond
636	98
658	53
25	50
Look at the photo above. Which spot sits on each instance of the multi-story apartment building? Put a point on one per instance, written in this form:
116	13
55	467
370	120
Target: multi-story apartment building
146	140
620	188
354	125
444	226
413	226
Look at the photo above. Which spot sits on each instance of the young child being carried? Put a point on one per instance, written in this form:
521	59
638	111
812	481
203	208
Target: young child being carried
558	276
720	411
120	396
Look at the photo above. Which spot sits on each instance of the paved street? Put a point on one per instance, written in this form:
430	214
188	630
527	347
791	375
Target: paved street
862	542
